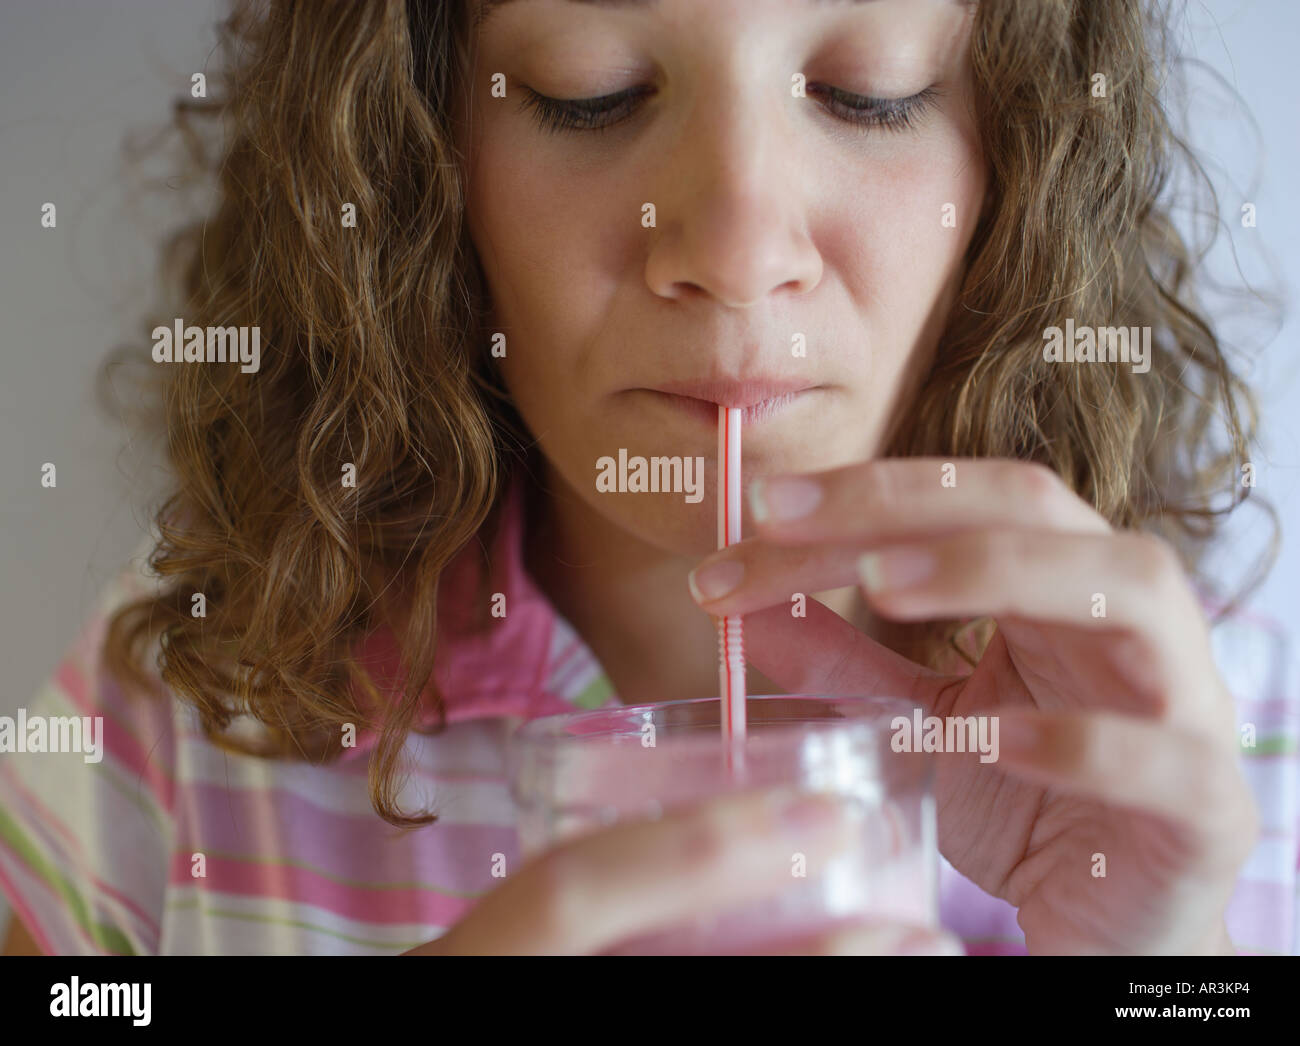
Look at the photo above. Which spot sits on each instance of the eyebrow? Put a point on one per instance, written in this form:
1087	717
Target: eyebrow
487	8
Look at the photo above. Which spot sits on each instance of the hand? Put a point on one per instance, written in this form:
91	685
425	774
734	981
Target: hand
591	892
1117	735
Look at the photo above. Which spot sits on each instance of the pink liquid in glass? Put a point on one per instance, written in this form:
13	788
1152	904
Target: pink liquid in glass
576	773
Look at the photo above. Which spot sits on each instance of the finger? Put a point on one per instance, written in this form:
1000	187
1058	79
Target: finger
894	498
1128	586
759	573
868	939
1129	583
1187	776
824	654
632	878
773	575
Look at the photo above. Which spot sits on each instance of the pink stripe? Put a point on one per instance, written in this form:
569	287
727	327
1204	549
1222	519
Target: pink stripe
48	819
567	653
1259	887
302	886
28	915
1284	705
1213	605
563	682
117	740
1260	914
276	824
358	769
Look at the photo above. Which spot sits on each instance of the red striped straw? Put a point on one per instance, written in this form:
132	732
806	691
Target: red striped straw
731	643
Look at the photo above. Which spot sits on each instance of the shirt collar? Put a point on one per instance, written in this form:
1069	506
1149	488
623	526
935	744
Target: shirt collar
527	661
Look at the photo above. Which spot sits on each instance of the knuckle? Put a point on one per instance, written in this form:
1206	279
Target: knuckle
1213	786
1150	561
1034	483
1160	555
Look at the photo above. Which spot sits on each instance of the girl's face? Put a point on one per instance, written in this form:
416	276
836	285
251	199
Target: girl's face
780	190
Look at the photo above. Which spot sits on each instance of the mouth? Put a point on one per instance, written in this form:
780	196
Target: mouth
706	411
758	400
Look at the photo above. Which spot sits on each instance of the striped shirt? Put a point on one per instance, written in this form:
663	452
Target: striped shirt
170	845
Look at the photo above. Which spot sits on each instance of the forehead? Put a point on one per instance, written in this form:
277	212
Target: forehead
486	8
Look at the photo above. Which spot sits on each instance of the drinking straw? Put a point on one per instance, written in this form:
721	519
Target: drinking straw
731	645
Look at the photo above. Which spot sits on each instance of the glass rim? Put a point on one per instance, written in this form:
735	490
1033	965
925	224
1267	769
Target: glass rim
550	731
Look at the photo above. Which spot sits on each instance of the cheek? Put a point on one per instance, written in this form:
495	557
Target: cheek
548	261
898	235
902	222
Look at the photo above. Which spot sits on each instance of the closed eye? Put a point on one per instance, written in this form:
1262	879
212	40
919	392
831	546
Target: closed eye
582	114
596	114
894	114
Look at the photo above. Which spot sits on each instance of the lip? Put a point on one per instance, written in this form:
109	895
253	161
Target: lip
706	411
752	392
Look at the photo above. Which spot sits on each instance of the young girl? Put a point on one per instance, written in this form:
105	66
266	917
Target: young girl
486	244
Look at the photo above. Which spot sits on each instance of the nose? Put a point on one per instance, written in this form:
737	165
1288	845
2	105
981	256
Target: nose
730	216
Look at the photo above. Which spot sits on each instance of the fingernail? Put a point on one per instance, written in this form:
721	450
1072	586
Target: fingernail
715	580
782	499
893	569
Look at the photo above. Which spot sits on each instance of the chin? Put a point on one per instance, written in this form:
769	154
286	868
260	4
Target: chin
665	522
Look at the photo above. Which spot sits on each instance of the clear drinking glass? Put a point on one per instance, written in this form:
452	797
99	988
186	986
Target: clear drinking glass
580	771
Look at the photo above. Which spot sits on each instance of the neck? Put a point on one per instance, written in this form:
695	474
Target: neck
629	600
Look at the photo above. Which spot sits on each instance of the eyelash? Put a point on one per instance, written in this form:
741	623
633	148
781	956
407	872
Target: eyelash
587	114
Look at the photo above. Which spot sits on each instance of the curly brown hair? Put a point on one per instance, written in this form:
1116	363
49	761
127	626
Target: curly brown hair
373	349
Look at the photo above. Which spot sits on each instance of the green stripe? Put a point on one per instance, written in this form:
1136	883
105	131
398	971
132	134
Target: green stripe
1274	744
595	693
107	937
118	721
131	790
128	789
299	924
